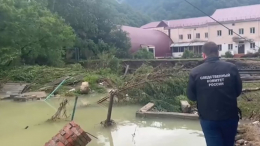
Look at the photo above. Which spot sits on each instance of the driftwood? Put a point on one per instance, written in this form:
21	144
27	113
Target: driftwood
250	90
250	78
61	112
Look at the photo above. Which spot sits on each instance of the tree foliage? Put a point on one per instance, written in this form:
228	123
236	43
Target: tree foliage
31	34
143	54
96	24
189	54
176	9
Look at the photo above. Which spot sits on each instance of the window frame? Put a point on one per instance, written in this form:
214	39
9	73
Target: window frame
197	35
252	45
252	30
219	47
230	32
241	30
206	35
189	36
219	33
230	47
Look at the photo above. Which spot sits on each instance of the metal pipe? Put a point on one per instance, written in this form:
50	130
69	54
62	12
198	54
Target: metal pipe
74	108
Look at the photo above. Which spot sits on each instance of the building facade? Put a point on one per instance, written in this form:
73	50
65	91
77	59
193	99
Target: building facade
239	35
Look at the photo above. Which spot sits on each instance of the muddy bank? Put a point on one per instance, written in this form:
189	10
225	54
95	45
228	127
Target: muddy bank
248	134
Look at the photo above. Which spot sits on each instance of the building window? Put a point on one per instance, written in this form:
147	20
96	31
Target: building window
230	32
252	30
177	49
206	35
189	36
230	46
220	47
181	37
252	45
241	31
197	35
219	33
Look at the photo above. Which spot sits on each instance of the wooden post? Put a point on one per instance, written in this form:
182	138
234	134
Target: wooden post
126	70
109	113
74	108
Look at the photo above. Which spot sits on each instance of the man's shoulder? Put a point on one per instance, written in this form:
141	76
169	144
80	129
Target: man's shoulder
197	68
227	64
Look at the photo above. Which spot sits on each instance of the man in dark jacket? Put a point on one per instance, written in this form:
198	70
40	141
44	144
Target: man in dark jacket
215	85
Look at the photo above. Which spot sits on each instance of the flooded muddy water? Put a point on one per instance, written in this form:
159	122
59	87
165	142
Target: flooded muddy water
130	131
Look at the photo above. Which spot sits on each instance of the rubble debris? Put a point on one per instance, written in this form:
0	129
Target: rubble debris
61	112
30	96
71	135
84	88
9	90
248	134
185	106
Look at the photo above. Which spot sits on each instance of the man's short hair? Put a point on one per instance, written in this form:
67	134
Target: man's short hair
210	49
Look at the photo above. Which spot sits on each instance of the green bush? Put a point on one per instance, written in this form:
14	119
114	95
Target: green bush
228	54
190	54
143	54
92	78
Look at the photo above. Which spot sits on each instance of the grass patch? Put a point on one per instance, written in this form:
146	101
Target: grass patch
250	109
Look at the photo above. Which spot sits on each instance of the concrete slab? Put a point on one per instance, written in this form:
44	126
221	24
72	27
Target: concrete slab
145	112
10	89
167	115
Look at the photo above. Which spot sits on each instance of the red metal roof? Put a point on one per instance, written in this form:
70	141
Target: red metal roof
243	13
188	22
237	13
140	36
151	25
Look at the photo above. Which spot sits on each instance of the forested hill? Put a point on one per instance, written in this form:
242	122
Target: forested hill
175	9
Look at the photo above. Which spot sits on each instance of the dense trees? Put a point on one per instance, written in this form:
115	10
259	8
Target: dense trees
175	9
29	33
40	31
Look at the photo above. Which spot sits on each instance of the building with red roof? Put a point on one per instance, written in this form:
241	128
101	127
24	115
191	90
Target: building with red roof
192	33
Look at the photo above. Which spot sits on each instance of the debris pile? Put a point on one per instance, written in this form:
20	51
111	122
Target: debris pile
70	135
248	134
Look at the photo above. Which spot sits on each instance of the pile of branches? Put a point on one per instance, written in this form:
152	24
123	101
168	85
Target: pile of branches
151	84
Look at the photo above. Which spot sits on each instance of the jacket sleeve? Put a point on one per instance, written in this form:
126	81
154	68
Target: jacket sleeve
191	90
238	83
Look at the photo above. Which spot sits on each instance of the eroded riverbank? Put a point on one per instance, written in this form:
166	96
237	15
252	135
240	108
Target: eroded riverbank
153	132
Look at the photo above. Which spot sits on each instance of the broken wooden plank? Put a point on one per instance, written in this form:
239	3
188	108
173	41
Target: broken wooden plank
9	89
167	115
147	107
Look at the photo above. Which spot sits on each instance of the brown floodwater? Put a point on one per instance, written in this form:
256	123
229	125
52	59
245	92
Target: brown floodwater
129	131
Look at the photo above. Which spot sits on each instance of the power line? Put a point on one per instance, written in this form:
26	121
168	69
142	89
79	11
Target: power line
218	21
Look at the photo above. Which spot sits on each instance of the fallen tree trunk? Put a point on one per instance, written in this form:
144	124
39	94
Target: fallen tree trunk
250	78
251	89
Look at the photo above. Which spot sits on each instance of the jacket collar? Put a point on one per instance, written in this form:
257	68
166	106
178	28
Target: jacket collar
212	59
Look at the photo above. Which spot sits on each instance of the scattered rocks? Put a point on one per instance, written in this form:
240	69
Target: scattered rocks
248	134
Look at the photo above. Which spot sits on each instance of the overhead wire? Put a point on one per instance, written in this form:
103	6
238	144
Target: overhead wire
219	22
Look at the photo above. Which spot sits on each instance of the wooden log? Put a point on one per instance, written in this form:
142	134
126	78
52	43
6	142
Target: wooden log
250	90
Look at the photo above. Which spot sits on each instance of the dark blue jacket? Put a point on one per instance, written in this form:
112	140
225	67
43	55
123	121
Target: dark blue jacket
215	85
